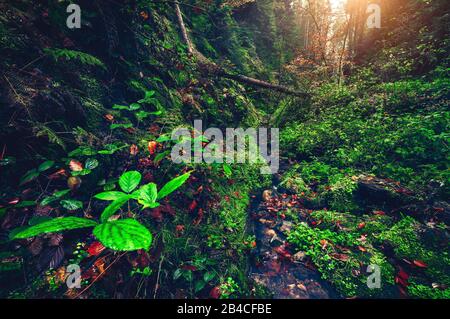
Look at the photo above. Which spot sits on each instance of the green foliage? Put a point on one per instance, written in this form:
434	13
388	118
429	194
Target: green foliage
55	225
82	57
426	292
341	268
129	181
34	173
172	185
146	195
123	235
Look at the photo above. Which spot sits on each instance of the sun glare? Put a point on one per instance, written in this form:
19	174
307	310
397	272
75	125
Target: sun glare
337	3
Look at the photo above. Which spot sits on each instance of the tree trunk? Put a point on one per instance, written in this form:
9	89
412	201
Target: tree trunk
212	68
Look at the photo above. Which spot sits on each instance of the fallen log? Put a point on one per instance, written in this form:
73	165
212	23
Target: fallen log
214	69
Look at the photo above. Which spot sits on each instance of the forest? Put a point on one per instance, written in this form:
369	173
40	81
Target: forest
320	169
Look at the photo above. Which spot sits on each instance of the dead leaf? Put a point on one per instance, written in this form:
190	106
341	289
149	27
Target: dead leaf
420	263
134	150
95	248
109	117
152	147
75	165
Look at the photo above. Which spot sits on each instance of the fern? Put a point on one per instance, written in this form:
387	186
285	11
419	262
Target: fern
82	57
43	130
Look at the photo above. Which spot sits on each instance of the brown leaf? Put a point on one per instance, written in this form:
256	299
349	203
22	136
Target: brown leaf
152	147
341	257
134	150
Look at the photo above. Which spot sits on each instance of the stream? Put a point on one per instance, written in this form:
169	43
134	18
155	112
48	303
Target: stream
275	265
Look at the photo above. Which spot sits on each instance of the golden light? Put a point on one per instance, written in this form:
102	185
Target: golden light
337	3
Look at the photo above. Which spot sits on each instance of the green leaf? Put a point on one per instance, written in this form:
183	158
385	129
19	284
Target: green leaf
142	115
129	181
160	156
113	207
38	219
83	172
82	151
120	125
147	196
111	195
227	169
173	185
208	276
54	197
71	204
91	163
123	234
45	166
120	107
163	138
199	285
29	176
134	106
55	225
25	203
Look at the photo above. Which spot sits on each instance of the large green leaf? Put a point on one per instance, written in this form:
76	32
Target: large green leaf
111	195
129	181
147	196
173	185
123	234
55	225
113	207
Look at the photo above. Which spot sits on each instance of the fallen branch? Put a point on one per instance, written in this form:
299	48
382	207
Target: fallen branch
213	68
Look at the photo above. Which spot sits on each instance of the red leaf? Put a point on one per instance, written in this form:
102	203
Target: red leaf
199	217
152	147
109	117
189	267
215	292
420	263
280	250
402	282
75	165
379	212
156	214
361	225
192	205
14	201
58	174
403	275
95	248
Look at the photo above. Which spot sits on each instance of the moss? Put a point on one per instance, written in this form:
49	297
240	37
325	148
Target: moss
407	243
426	292
342	266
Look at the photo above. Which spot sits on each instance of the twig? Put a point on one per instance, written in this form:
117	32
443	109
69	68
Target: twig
157	277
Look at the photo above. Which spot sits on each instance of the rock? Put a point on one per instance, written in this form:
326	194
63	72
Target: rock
286	226
266	195
270	232
298	256
276	241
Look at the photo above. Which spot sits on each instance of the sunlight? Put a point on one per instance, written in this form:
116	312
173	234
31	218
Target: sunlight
337	3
